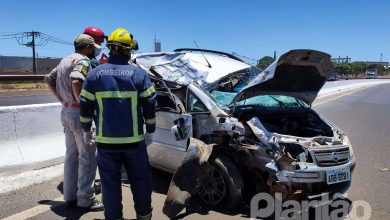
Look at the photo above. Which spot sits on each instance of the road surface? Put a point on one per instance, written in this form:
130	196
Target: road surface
363	114
26	97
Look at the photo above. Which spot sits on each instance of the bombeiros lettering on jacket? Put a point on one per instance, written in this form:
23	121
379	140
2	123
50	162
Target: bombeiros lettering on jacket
114	72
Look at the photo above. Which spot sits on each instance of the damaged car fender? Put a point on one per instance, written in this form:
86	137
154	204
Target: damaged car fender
184	182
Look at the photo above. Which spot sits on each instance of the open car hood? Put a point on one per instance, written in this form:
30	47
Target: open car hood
297	73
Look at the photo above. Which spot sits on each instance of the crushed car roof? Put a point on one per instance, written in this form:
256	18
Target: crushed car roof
202	66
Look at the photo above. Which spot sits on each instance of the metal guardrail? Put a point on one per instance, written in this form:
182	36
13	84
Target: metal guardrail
5	78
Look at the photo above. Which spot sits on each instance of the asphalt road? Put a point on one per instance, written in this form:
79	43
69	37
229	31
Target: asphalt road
26	97
363	115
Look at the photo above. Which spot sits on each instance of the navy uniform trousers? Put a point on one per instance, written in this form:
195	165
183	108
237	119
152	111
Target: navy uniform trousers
134	157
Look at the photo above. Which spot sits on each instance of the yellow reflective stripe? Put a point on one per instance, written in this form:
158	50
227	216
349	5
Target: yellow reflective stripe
150	121
87	95
147	92
100	103
116	94
119	140
119	94
134	114
85	120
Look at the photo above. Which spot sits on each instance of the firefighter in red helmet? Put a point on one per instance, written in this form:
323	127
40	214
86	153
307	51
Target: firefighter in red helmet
98	35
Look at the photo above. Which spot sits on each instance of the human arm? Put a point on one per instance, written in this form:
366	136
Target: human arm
77	76
148	104
77	86
50	80
87	103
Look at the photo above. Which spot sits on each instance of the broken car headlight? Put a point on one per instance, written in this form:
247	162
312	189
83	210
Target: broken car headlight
348	142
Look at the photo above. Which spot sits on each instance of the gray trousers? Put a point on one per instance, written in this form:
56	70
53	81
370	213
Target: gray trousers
80	160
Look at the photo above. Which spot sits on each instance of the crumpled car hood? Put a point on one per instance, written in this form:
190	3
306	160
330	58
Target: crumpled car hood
297	73
183	68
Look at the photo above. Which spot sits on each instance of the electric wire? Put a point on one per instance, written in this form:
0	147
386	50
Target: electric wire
41	39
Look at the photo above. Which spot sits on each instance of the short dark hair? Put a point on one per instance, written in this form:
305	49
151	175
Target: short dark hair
79	48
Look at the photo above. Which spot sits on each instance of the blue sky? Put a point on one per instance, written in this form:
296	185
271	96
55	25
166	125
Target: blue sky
358	29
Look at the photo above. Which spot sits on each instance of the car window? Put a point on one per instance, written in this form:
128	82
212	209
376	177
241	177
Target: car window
195	104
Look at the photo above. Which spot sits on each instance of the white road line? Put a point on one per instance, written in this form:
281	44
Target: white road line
357	90
33	211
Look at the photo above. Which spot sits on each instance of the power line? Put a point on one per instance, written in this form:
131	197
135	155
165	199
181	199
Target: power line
37	39
42	39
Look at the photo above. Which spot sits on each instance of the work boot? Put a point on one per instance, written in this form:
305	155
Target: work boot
71	204
95	206
145	217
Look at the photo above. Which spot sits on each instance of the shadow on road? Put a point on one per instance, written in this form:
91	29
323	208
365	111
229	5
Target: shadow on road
60	209
161	182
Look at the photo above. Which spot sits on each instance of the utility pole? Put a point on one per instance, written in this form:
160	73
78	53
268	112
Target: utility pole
33	48
31	44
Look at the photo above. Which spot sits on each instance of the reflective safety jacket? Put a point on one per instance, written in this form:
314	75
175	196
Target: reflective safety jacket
124	99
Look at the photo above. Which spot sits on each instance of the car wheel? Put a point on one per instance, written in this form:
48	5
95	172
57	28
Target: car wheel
222	184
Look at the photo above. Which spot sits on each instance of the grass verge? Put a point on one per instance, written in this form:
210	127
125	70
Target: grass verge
17	86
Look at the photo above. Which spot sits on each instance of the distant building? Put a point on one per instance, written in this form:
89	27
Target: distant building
157	46
377	63
341	59
20	65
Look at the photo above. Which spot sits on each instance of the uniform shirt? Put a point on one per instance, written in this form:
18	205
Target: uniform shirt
75	66
94	63
124	99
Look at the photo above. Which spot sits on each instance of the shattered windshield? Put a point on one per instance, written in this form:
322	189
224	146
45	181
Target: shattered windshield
228	88
225	98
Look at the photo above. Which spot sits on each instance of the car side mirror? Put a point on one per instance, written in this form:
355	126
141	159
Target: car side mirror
181	129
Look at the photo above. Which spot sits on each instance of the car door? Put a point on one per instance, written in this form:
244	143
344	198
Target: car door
165	152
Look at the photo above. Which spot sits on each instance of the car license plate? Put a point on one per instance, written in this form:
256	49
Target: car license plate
337	176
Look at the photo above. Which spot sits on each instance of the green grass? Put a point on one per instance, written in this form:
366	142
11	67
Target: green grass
22	86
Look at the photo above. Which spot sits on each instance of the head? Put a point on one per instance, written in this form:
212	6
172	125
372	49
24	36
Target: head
121	42
96	33
85	44
98	36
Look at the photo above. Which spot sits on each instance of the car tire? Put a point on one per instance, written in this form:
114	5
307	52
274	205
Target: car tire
223	185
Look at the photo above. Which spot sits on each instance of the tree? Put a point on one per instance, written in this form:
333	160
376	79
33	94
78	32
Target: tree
343	69
381	69
358	67
264	62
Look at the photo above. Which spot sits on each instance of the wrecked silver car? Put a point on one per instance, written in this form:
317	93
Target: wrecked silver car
240	131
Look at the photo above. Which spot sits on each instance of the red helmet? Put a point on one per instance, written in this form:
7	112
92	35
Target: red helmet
96	33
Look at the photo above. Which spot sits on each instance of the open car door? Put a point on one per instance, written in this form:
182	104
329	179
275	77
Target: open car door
166	151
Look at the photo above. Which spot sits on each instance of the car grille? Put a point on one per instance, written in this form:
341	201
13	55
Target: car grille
331	156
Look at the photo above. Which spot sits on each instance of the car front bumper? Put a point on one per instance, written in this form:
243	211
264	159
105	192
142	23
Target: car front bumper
311	173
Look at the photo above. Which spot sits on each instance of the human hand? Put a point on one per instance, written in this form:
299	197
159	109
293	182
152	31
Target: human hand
89	137
148	138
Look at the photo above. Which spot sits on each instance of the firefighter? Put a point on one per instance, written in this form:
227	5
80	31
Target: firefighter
124	100
98	35
65	81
